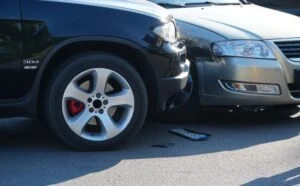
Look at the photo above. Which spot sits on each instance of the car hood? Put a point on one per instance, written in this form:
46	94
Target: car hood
141	6
241	22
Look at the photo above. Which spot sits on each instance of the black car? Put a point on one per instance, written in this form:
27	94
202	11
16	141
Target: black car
91	69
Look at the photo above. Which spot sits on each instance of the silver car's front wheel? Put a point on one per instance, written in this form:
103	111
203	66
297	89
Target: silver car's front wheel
98	104
96	101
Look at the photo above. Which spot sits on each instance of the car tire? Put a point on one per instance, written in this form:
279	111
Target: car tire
114	113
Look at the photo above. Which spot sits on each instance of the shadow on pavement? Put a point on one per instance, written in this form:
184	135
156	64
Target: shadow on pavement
291	177
32	156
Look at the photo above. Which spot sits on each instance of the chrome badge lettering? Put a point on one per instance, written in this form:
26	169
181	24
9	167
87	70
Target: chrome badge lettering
30	64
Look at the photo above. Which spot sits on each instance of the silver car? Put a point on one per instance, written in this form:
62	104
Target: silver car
243	54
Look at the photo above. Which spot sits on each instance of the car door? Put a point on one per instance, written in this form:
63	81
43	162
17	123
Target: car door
10	49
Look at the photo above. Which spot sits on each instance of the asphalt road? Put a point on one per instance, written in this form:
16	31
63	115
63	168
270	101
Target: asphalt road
245	149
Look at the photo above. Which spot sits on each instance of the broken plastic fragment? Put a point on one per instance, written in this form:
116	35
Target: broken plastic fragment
190	134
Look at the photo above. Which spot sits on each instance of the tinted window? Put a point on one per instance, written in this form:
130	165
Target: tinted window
289	6
280	4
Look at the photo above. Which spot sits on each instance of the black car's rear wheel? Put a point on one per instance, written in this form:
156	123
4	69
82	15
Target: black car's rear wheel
96	101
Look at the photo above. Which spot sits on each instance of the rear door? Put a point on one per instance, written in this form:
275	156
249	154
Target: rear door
10	49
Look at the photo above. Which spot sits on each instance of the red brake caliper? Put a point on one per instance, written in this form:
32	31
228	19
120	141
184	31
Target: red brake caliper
75	107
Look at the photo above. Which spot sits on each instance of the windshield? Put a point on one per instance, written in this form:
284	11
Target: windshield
196	2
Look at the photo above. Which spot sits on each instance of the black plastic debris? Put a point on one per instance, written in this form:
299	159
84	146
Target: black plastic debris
163	145
190	134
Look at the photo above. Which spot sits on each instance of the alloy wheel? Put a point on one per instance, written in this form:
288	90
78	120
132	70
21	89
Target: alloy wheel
98	104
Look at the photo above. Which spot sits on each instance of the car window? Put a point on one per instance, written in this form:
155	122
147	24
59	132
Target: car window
289	6
280	4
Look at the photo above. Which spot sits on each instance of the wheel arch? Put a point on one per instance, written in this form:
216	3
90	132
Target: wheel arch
120	47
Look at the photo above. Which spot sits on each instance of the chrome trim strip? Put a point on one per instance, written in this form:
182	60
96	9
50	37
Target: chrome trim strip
288	39
295	59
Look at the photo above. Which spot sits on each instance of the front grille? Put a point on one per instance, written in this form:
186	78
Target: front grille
291	49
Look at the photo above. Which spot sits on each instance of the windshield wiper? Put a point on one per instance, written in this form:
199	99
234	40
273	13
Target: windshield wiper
170	5
209	3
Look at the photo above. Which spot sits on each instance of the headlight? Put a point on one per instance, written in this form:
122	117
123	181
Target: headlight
167	32
243	48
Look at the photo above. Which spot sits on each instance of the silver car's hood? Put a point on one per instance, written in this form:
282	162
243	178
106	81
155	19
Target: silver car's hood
242	22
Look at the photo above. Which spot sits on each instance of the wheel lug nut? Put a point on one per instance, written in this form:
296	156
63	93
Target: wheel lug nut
91	110
101	111
90	100
105	102
98	95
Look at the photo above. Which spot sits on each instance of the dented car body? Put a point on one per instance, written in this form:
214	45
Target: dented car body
244	54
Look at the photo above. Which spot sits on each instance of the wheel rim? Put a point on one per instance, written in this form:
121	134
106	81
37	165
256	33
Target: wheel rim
98	104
